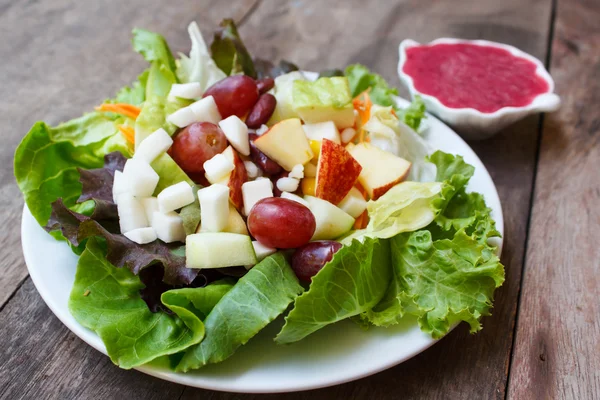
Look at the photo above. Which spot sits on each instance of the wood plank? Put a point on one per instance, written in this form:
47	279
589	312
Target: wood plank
557	348
61	65
316	35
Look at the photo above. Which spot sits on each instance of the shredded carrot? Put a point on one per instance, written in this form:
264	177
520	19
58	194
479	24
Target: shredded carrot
362	103
128	132
121	108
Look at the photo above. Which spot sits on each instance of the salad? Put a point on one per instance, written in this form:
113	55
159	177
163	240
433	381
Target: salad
219	192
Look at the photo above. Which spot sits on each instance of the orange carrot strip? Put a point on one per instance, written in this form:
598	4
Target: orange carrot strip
128	132
120	108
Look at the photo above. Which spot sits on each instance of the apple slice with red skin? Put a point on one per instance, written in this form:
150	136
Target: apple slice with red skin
337	172
236	178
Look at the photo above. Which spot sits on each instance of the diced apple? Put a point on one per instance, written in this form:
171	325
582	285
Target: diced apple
331	221
182	117
206	110
175	197
254	191
354	204
218	168
141	177
236	132
262	251
380	170
150	205
153	146
131	213
294	197
214	208
337	172
235	223
322	130
236	178
219	250
168	227
189	90
141	235
286	144
120	185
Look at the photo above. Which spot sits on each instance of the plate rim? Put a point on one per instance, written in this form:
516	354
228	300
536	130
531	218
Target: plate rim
92	339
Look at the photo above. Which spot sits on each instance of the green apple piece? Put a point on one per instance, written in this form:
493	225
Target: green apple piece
326	99
286	144
283	93
235	223
218	250
332	222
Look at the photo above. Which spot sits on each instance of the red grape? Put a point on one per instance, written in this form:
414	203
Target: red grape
281	223
268	166
262	111
310	258
197	143
234	95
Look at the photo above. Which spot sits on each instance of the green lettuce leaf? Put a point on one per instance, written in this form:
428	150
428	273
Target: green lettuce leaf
413	114
445	281
153	47
362	79
256	300
229	52
47	160
199	66
135	93
200	300
106	299
353	282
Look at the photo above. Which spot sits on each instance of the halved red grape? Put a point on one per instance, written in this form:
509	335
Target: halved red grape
281	223
310	258
197	143
234	95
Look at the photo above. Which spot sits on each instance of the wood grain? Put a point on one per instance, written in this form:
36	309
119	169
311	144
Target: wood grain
557	350
68	70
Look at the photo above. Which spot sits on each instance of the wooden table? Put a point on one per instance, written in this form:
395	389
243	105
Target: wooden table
543	341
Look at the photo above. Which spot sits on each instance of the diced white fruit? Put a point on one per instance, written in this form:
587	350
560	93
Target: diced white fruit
251	169
354	203
120	186
218	168
262	130
141	235
287	184
168	227
322	130
206	110
286	144
150	205
214	208
262	251
347	135
186	90
131	213
235	223
182	117
141	177
294	197
236	132
218	250
297	172
310	170
331	221
254	191
175	197
153	146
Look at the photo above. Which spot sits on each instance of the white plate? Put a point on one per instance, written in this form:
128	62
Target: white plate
338	353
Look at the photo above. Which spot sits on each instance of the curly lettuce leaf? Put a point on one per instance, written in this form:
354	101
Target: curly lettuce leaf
353	282
256	300
47	160
361	79
134	94
106	299
445	281
229	52
199	66
153	47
